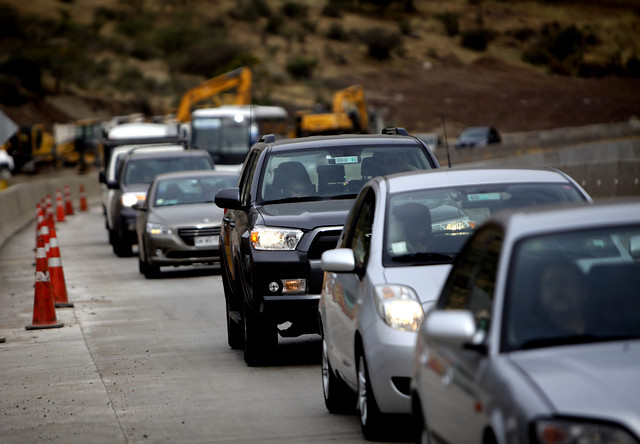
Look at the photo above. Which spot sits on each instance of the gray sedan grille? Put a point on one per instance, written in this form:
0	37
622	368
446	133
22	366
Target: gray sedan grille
189	234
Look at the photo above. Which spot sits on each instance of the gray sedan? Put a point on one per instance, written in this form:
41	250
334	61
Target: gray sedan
395	251
535	337
178	224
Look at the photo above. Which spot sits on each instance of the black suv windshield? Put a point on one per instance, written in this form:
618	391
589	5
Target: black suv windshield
328	173
142	171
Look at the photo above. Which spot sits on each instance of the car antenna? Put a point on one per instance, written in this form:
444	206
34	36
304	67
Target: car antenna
446	141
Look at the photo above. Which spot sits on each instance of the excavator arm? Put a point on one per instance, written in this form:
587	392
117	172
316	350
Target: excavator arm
351	101
240	79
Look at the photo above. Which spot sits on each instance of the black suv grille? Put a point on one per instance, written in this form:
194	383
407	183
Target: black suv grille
189	234
325	240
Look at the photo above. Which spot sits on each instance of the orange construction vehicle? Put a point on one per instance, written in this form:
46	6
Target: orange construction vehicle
238	79
348	115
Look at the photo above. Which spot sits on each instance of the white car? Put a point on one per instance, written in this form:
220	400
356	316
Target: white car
395	251
535	337
125	138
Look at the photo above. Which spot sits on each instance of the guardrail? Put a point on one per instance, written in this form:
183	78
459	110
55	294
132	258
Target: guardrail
18	202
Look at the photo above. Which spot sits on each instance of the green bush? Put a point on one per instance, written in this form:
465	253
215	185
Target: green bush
477	39
301	67
450	22
250	10
381	43
295	10
337	32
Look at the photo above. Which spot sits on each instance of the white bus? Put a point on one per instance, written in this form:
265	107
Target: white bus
227	132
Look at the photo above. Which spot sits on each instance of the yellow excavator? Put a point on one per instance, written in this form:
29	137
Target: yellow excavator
348	115
30	146
238	79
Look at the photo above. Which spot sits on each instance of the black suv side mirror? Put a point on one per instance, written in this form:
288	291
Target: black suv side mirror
228	198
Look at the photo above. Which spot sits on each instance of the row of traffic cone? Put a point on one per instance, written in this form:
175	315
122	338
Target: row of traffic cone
50	286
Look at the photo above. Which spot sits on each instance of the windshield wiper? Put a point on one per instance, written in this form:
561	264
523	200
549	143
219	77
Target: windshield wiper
562	340
343	196
429	258
293	199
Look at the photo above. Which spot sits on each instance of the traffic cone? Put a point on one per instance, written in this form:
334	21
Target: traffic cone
83	199
68	208
44	234
44	312
50	221
39	221
56	273
59	207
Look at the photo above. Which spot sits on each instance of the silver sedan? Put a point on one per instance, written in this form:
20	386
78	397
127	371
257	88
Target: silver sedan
393	255
535	337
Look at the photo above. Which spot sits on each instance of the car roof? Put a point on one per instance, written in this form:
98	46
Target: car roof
163	154
243	110
142	130
197	173
440	178
315	142
534	221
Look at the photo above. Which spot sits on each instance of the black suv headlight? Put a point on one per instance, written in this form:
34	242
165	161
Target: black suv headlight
273	238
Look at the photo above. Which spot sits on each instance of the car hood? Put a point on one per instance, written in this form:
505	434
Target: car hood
306	215
591	380
206	214
426	280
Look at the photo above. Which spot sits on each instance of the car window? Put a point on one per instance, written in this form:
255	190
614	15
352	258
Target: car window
359	239
471	283
573	287
142	171
248	176
190	190
432	225
334	172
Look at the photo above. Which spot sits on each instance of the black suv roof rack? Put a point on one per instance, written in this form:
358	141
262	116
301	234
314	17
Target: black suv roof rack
397	131
268	138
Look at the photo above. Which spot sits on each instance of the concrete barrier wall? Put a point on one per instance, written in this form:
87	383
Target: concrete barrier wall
18	202
604	169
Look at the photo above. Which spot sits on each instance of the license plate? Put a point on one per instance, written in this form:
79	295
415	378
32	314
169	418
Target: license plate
206	241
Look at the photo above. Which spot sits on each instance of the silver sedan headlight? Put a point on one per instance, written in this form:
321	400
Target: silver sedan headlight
271	238
561	431
156	229
398	306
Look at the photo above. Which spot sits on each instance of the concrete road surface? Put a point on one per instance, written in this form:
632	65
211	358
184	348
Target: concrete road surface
144	360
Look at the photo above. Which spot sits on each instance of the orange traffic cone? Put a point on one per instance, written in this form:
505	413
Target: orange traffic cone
68	208
59	207
56	273
49	216
44	312
83	199
39	221
44	234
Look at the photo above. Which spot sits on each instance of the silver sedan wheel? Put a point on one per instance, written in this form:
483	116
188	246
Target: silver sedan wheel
362	391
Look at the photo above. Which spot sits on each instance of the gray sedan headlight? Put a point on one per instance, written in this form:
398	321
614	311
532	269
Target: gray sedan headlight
271	238
398	306
155	228
565	431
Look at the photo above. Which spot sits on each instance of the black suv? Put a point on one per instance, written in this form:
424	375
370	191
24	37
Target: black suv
289	207
135	172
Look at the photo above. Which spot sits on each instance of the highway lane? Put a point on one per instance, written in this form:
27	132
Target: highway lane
144	360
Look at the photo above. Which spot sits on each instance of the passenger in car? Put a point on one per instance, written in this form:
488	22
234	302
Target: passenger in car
561	297
415	219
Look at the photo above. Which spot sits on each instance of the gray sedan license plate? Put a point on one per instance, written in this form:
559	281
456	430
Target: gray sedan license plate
206	241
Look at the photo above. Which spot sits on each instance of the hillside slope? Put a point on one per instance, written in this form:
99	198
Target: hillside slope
428	76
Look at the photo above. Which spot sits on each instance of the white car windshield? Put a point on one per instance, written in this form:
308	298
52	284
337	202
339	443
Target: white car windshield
430	226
